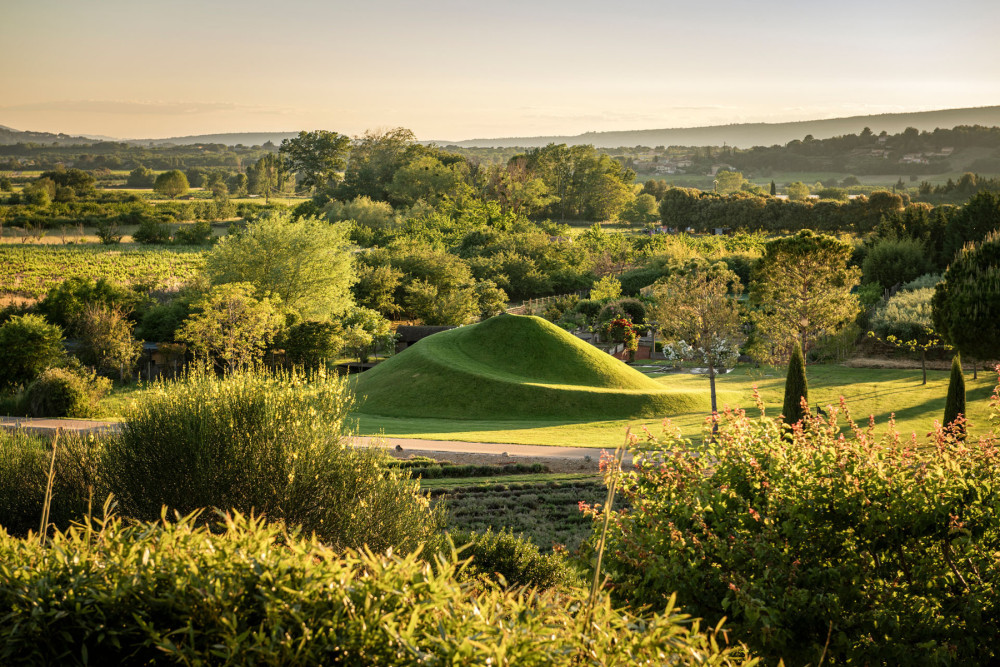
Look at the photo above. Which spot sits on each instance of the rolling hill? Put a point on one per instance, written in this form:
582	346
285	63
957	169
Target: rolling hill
513	367
746	135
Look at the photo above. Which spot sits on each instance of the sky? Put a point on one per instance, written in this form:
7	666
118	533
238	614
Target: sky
452	70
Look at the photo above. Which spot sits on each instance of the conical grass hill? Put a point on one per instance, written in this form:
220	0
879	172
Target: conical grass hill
514	367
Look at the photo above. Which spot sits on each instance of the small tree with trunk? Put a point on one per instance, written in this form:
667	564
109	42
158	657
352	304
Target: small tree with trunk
698	315
796	388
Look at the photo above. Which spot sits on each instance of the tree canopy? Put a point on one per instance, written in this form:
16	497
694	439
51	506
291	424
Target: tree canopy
306	263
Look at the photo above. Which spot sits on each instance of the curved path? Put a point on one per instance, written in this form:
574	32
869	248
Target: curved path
84	426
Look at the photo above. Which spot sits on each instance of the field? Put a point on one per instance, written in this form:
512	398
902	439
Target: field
29	271
868	391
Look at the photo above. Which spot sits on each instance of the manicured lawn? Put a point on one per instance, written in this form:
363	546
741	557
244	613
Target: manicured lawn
880	393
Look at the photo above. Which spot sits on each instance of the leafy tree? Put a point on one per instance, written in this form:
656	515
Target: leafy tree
364	331
311	342
966	304
697	313
171	183
374	159
797	191
231	326
65	303
954	404
491	299
796	388
444	304
892	261
376	288
28	345
606	288
305	264
979	217
141	177
728	182
106	340
801	289
266	176
318	157
642	209
425	178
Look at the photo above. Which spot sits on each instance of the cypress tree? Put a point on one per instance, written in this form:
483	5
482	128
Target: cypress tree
796	387
954	405
774	190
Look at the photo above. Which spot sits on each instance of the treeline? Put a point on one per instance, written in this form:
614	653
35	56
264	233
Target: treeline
119	155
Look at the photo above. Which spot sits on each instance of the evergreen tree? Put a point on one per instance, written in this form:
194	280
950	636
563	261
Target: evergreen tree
954	405
774	189
796	387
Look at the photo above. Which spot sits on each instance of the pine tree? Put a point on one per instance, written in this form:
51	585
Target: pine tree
796	387
774	190
954	405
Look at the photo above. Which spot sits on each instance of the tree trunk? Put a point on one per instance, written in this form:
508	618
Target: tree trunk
711	384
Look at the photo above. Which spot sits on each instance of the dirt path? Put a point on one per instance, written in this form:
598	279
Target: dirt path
559	459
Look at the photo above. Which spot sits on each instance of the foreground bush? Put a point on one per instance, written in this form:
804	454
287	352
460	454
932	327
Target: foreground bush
64	392
108	593
267	443
515	558
885	546
24	470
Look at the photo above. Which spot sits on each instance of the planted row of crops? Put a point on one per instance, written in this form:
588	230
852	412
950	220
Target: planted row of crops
547	512
30	271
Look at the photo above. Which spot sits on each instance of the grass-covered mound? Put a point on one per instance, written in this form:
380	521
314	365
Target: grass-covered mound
512	366
243	592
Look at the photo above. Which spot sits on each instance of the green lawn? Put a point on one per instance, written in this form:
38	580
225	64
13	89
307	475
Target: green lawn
460	482
880	393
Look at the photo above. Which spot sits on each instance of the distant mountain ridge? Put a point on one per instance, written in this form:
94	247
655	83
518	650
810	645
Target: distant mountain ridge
739	135
746	135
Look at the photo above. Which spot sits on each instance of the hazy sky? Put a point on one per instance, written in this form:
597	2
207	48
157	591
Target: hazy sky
463	69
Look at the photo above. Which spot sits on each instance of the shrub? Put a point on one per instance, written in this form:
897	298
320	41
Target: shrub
152	232
515	558
907	315
311	342
161	322
267	443
24	469
893	261
244	592
588	308
28	345
634	309
61	392
65	303
926	280
196	233
106	341
785	532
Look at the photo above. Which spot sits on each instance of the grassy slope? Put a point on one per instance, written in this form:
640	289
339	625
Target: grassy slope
514	367
880	393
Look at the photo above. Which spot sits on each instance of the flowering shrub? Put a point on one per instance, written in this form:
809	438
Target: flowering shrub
621	330
884	546
722	351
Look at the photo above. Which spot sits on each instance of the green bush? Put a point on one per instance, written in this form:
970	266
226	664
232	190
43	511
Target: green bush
906	315
514	558
268	443
65	303
62	392
24	469
244	592
894	261
152	232
196	233
891	541
634	309
588	308
312	342
28	345
926	280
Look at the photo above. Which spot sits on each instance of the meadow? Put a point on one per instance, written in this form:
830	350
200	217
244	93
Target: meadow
881	393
